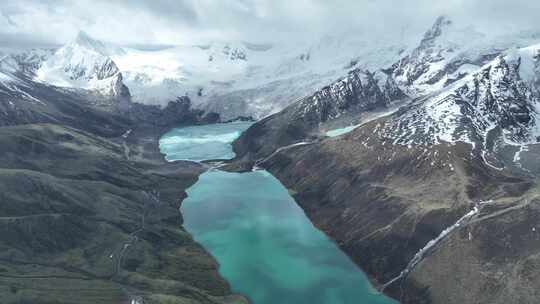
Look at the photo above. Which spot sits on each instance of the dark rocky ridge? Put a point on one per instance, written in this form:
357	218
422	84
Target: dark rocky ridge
89	211
441	45
339	103
494	97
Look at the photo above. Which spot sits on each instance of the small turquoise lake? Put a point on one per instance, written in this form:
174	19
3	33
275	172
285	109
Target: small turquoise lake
267	248
198	143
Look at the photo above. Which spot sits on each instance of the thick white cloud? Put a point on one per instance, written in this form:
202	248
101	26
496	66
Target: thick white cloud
195	21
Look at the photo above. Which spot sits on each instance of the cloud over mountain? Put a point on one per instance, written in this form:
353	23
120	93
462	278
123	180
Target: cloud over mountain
193	21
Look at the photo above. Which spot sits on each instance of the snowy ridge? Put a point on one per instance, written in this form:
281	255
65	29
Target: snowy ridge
440	58
156	77
465	85
496	96
245	79
448	53
232	78
239	78
83	63
360	90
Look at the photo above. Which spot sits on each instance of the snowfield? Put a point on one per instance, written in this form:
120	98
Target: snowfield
233	78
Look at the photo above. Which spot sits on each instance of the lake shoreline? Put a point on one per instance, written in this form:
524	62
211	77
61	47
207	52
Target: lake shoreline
240	208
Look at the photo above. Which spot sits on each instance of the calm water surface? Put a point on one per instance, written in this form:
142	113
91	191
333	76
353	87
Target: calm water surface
267	248
199	143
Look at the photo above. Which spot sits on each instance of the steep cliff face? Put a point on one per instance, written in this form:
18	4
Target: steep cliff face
494	98
359	91
343	101
445	54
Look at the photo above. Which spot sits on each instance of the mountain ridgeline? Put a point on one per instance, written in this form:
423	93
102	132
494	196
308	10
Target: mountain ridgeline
434	193
346	99
227	77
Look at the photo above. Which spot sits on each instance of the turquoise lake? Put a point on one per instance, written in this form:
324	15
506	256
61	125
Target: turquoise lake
267	248
341	131
199	143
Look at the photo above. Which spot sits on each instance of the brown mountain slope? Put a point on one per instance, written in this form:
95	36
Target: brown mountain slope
382	203
81	224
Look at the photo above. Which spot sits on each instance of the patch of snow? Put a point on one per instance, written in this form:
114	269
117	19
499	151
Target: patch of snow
527	56
517	155
419	256
281	149
5	78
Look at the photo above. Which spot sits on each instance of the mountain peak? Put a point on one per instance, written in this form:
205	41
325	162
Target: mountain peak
84	40
83	36
438	28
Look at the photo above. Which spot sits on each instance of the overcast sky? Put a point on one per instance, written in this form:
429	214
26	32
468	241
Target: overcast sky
148	22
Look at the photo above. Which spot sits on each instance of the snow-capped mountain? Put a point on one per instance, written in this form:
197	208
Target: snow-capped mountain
231	78
290	73
26	62
440	58
84	63
469	137
243	79
469	85
501	95
449	52
156	77
464	83
486	95
360	91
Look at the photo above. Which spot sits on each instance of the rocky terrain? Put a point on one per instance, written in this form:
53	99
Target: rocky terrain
89	208
438	200
344	101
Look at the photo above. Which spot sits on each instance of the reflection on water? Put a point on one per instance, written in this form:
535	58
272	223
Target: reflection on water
266	246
